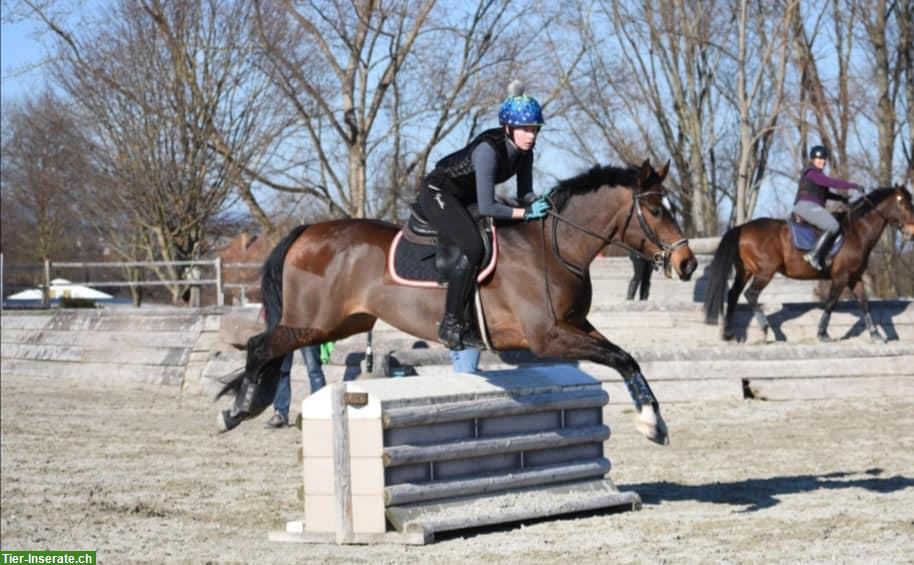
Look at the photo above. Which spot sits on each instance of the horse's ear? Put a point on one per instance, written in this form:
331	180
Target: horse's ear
646	171
662	173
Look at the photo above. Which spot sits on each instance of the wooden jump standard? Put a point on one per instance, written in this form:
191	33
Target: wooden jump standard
398	460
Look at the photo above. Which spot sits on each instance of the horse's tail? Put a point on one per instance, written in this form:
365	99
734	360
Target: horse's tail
271	296
271	283
718	272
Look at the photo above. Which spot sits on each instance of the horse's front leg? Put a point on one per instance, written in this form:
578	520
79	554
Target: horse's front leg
571	342
860	292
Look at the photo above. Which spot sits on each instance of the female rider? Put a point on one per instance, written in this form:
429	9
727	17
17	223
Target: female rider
810	204
469	176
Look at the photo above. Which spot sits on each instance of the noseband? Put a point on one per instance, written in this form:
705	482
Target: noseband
660	259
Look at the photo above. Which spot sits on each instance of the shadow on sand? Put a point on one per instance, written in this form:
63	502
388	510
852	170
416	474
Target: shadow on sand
883	312
758	494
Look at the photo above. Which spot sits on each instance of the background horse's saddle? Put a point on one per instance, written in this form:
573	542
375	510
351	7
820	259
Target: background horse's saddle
804	235
420	256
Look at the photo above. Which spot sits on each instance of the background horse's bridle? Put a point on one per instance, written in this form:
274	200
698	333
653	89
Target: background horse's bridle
864	197
658	259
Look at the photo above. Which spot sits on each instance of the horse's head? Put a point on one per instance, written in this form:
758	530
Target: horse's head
903	211
656	231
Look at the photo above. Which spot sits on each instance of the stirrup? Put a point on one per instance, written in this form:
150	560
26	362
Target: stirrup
813	260
449	332
470	339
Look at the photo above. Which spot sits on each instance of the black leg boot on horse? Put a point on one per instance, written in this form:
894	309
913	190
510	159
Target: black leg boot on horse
254	387
456	331
819	252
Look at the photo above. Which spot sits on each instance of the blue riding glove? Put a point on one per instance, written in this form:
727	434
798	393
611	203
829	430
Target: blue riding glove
536	209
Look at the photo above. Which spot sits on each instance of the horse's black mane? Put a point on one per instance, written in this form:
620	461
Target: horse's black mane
591	180
866	204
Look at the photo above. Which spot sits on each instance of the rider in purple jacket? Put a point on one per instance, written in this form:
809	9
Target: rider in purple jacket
810	204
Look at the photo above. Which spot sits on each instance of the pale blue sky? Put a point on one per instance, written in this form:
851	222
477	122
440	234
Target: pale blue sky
19	50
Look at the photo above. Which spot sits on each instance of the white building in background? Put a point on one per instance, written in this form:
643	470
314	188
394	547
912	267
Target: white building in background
62	288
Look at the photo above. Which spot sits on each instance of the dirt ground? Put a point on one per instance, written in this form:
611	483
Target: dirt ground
140	476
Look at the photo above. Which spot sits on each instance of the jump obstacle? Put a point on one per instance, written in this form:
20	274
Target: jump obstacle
400	460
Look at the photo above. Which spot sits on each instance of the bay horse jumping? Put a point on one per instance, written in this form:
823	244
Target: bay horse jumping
758	249
330	280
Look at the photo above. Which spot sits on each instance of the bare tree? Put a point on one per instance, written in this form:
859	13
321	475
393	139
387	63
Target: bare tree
663	66
827	99
758	97
336	63
43	172
885	27
164	84
374	87
887	46
906	61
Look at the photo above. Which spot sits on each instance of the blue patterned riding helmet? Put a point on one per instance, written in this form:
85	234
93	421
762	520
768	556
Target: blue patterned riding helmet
520	110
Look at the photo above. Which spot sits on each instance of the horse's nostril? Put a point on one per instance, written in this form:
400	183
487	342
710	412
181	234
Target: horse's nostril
686	268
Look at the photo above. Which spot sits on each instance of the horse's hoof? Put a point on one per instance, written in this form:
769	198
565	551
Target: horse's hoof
876	337
225	421
824	338
652	426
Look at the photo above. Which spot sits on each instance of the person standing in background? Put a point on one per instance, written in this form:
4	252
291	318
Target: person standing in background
640	278
311	355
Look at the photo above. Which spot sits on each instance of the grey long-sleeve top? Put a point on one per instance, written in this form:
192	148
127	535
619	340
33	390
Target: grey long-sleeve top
484	163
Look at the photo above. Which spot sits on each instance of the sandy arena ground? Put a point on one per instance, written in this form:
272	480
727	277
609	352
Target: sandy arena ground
140	476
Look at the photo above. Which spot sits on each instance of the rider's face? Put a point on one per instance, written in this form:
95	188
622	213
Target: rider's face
525	137
819	162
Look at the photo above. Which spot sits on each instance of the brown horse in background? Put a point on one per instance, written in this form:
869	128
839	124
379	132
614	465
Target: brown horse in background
330	280
758	249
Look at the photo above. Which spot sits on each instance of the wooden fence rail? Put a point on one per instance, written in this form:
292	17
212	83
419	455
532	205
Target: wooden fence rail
193	279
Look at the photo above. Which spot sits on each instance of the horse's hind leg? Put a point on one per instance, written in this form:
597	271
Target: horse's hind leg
258	384
759	282
739	283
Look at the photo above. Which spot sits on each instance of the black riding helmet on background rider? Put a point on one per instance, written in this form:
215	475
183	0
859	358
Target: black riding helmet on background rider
818	152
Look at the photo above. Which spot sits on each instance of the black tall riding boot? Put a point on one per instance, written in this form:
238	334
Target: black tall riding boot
818	253
454	330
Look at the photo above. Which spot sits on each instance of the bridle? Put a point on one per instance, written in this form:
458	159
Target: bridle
660	259
897	224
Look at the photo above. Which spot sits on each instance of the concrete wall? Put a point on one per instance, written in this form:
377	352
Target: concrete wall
167	346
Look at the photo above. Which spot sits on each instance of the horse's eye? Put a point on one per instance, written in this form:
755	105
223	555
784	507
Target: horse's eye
655	210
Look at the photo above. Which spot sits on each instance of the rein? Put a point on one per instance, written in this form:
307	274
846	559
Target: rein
661	259
865	198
